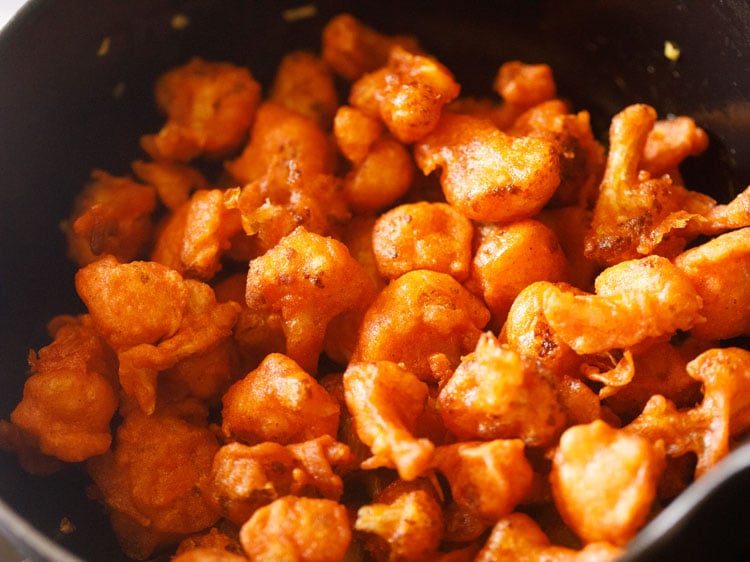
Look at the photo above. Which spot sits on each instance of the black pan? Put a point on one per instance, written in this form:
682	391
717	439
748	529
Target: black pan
65	108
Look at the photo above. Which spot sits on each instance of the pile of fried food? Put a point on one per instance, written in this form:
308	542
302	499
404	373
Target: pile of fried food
410	326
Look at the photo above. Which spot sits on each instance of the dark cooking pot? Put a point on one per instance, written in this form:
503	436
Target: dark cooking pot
66	108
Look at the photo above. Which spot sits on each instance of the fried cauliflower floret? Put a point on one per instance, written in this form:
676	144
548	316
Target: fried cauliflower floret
213	546
172	181
527	331
245	478
519	537
204	375
274	205
278	402
419	317
581	156
69	398
355	132
309	279
495	393
423	235
706	429
385	402
487	479
670	142
152	318
15	440
352	48
152	481
571	225
408	94
404	522
297	530
525	85
720	271
195	237
381	178
283	138
256	332
134	303
507	258
304	84
635	300
487	174
604	481
112	215
637	214
209	108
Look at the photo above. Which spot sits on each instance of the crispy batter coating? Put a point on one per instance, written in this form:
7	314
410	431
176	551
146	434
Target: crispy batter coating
381	178
212	546
507	258
421	315
404	523
706	429
604	481
297	530
208	554
487	479
70	397
487	174
581	403
355	132
15	440
209	108
408	94
309	279
153	479
286	139
637	214
204	375
720	271
245	478
518	537
133	303
527	331
571	225
463	525
323	459
660	369
720	218
112	215
256	332
423	235
385	402
581	156
352	48
153	318
525	85
274	205
495	393
304	83
670	142
197	234
172	181
635	300
278	402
